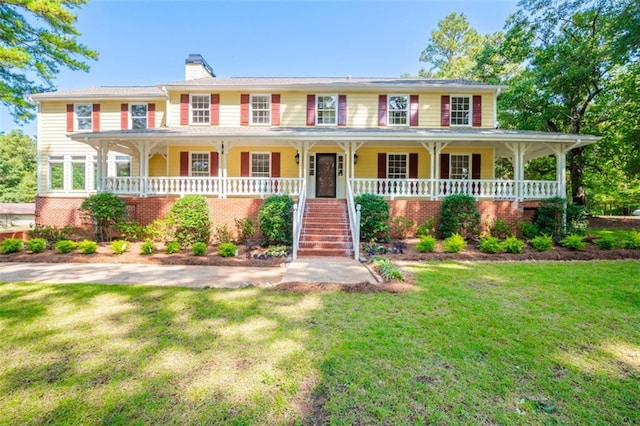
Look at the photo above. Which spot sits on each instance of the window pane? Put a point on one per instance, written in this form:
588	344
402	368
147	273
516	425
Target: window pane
326	106
397	166
459	165
260	164
123	165
460	109
398	109
200	109
260	109
56	175
78	173
199	164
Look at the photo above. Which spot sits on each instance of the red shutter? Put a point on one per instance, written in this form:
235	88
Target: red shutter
244	164
151	116
342	110
70	111
382	165
413	110
275	110
413	166
476	164
444	166
244	110
214	164
95	117
275	164
311	110
382	110
214	108
445	110
124	116
184	110
184	164
477	111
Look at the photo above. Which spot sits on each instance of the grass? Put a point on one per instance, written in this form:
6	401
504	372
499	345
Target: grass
525	343
618	234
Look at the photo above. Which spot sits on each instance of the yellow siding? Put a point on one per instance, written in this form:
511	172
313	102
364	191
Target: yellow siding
293	109
230	109
367	166
487	169
288	166
158	166
362	110
429	111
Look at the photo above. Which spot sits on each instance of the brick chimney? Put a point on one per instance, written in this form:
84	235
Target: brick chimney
197	67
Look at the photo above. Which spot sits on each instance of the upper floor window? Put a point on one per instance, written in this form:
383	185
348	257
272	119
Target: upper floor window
138	116
200	109
397	166
327	109
459	166
260	164
260	109
84	114
199	164
398	107
460	110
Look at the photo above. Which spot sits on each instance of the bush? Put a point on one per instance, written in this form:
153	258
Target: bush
386	269
577	222
489	244
548	216
190	221
607	242
107	211
512	245
427	227
222	234
454	244
199	249
11	245
132	231
276	220
158	231
172	247
528	230
227	249
374	219
573	242
36	245
542	243
500	229
632	240
148	247
426	244
246	229
119	246
459	215
87	247
65	246
52	234
400	227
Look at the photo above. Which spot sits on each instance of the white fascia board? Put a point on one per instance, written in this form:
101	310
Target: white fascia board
338	87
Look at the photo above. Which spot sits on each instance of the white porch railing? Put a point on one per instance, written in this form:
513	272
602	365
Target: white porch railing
354	222
393	187
298	216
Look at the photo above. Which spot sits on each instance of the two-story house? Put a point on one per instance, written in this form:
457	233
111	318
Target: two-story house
236	140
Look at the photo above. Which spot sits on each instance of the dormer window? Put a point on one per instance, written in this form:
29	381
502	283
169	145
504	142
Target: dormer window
200	109
398	110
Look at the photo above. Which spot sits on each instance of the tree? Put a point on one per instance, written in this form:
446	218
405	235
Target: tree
17	168
31	56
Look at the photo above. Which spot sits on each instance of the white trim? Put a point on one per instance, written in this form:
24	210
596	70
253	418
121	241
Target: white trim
208	153
317	110
470	97
130	118
406	159
191	95
251	154
251	123
408	110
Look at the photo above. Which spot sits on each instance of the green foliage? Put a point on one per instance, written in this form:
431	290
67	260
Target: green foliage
632	240
65	246
454	244
190	221
199	249
36	245
542	243
489	244
159	230
512	245
276	220
577	222
52	234
400	227
119	246
132	231
459	214
500	229
548	216
107	211
246	230
17	166
428	227
87	247
387	270
222	234
374	217
528	230
573	242
227	249
426	244
11	245
148	247
607	242
172	247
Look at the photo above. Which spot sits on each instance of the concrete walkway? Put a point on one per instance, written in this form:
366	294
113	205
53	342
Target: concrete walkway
317	269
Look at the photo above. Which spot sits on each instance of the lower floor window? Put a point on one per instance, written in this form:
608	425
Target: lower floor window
397	166
260	164
56	173
459	166
80	173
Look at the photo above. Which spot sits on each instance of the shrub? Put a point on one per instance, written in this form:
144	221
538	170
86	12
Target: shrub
542	243
190	221
577	222
52	234
159	230
246	229
428	227
632	240
65	246
607	242
199	249
573	242
374	248
426	244
172	247
459	215
11	245
489	244
148	247
87	247
276	220
106	210
454	244
374	219
528	230
386	269
512	245
400	227
222	234
548	216
500	229
132	231
119	246
227	249
36	245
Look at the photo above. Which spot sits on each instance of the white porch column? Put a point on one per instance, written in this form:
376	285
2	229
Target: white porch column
225	147
430	147
561	172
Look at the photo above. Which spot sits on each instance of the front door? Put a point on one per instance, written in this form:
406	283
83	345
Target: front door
326	175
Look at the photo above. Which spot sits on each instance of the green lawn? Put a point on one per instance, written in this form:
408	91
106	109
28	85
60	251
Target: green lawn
525	343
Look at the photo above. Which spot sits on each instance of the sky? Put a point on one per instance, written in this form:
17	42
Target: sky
145	42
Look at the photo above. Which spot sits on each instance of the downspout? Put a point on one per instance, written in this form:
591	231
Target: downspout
38	153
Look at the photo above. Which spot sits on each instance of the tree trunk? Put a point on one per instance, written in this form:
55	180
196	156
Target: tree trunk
576	169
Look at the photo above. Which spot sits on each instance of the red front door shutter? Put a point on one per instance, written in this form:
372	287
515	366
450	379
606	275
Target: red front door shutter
275	110
275	164
244	109
184	163
382	110
444	166
413	166
214	108
213	164
95	117
445	110
151	116
311	110
414	110
342	110
184	110
70	117
124	116
244	164
477	111
476	164
382	165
